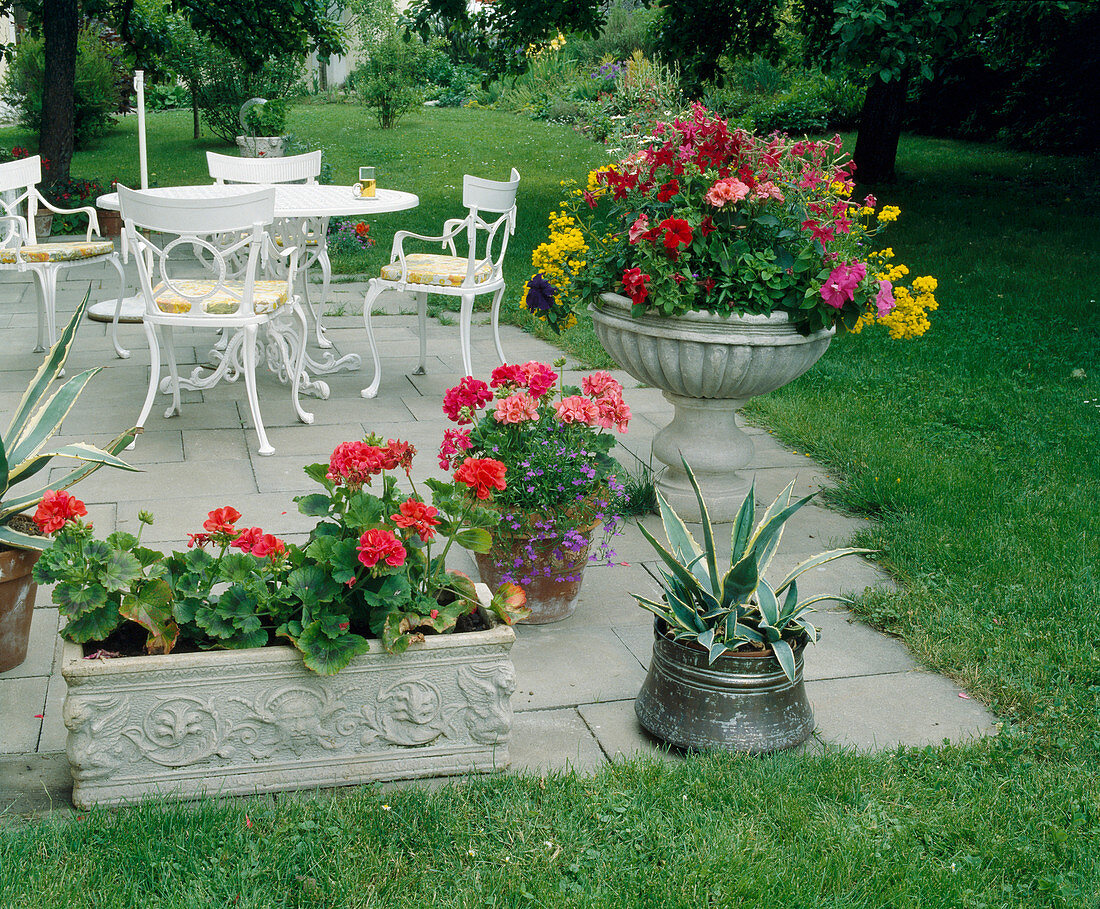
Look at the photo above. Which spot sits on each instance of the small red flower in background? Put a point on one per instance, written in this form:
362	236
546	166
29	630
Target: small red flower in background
362	229
482	475
418	517
221	520
55	509
381	545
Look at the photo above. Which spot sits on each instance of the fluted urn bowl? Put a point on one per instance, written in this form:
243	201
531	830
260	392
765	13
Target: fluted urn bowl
707	366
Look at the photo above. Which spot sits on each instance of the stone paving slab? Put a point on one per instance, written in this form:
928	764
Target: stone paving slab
576	680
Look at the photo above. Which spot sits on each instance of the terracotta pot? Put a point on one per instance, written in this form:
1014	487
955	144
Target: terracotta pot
548	598
740	702
110	222
17	592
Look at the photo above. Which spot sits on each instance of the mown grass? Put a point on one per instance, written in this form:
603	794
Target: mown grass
976	451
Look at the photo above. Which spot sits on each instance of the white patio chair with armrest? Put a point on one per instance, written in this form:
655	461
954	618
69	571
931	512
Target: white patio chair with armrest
21	251
452	275
221	229
291	169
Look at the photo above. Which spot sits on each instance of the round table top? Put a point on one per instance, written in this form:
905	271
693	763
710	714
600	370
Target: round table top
292	200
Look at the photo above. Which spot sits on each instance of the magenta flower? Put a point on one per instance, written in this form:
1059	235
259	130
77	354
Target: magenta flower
840	288
884	299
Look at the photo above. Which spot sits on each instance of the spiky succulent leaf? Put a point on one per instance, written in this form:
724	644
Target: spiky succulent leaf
820	559
742	526
708	532
785	655
679	537
769	605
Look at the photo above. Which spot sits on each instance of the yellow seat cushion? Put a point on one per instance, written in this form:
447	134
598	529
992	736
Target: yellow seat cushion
58	252
266	296
436	270
311	240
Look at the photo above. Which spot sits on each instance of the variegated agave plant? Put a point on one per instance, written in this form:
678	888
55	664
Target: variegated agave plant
26	447
737	608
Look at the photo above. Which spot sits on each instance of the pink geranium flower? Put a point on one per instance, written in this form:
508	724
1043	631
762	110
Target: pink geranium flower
540	378
517	408
576	409
725	191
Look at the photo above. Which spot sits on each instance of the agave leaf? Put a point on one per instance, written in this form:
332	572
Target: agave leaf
47	372
769	605
685	613
819	559
742	525
785	655
17	540
708	531
80	451
45	420
770	532
740	581
685	577
658	609
706	639
4	481
771	510
679	537
805	604
716	649
809	627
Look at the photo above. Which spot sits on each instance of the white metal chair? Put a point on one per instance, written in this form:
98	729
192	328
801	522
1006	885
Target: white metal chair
220	230
292	169
20	249
478	272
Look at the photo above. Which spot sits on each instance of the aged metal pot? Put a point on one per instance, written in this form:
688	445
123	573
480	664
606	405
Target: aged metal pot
17	592
740	702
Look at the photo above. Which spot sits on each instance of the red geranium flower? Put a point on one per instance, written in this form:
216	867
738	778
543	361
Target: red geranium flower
362	229
221	520
380	546
465	399
482	475
56	508
419	517
248	538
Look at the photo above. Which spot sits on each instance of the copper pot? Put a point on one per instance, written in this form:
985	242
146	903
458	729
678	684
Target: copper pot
740	702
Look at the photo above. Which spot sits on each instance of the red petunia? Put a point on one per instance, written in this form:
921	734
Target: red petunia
380	546
677	233
706	228
221	520
482	475
56	508
417	516
670	189
634	283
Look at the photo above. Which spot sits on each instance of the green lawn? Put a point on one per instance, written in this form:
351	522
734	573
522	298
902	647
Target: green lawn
976	450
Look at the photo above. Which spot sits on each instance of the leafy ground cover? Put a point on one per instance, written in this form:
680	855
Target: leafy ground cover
975	450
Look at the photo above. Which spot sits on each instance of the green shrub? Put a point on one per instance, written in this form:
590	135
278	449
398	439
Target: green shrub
388	81
167	97
268	119
76	193
98	65
225	83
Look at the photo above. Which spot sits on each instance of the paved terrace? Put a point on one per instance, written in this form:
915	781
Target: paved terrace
576	679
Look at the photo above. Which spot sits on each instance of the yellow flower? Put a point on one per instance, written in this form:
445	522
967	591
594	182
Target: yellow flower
889	213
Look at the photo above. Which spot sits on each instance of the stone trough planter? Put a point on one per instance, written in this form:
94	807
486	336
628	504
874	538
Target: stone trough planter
250	721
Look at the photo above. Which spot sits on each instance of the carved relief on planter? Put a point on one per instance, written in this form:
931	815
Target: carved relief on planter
257	721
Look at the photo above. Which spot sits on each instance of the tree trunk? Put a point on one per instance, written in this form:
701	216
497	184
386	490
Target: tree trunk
195	108
60	21
322	74
880	129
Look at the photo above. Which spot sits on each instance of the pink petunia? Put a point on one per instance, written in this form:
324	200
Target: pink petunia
884	299
840	287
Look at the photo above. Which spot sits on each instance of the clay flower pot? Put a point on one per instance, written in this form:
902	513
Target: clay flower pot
17	592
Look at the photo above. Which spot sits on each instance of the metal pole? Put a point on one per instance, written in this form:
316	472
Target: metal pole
143	161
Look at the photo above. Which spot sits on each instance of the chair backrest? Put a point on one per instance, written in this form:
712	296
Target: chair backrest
496	197
18	180
221	233
292	169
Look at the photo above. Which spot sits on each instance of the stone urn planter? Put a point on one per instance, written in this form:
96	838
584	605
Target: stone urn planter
260	146
556	573
740	702
43	225
248	721
17	593
707	366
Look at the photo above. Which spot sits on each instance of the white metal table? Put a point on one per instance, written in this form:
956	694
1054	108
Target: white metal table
302	207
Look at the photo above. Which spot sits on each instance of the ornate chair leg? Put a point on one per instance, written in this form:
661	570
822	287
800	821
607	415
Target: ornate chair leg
422	318
373	290
121	352
326	280
495	319
154	376
250	388
465	316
